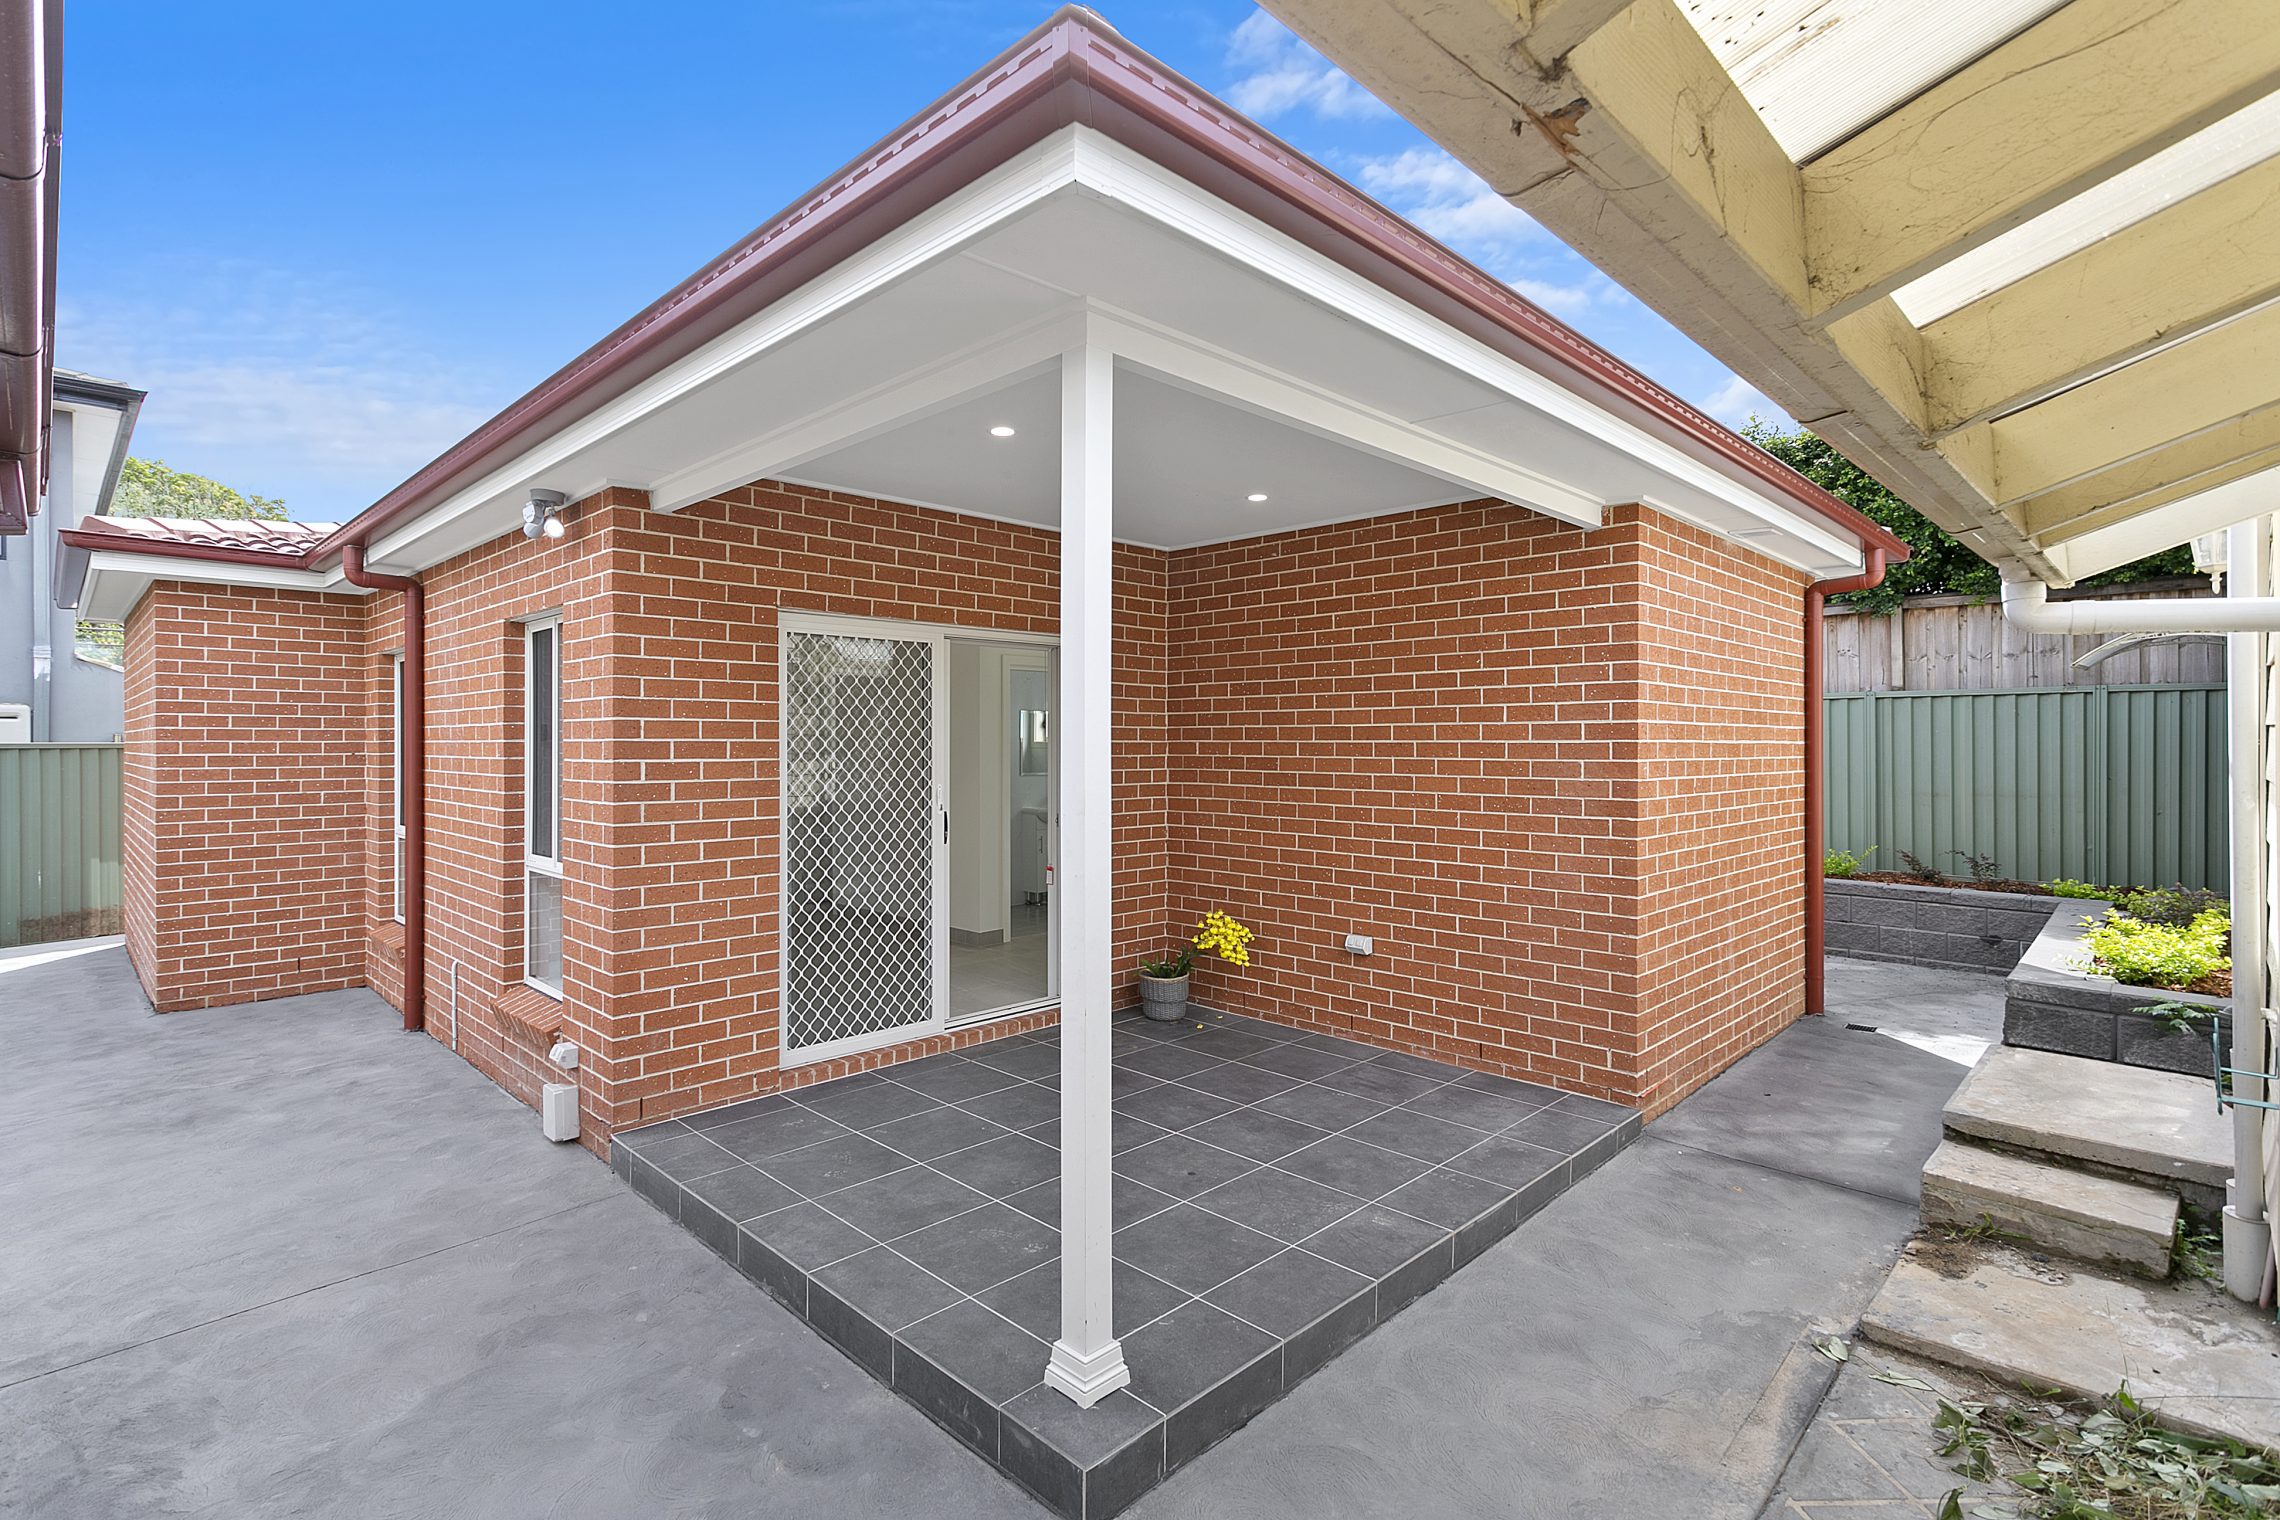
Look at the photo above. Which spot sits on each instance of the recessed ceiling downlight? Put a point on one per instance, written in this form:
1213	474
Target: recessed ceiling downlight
1001	431
1256	496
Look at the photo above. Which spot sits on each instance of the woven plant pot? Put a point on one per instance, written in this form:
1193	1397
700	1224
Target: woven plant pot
1164	998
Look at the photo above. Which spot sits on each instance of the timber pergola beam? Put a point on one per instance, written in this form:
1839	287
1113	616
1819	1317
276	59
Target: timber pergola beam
1617	127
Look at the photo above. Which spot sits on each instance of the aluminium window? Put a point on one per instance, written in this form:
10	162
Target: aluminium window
542	806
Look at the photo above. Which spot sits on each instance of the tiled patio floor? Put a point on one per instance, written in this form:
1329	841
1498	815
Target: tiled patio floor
1278	1194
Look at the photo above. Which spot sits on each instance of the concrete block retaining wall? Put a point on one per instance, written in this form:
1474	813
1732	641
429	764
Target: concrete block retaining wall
1957	928
2051	1003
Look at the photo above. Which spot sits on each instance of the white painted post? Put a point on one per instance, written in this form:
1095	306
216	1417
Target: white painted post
1087	1363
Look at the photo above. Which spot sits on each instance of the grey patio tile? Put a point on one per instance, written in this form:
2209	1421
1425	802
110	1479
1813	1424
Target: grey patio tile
1558	1130
807	1237
1366	1171
1448	1199
1414	1278
1123	1083
1027	1061
1172	1106
1143	1030
1181	1165
1608	1114
955	1081
1321	1107
886	1287
815	1170
1239	1083
676	1151
1192	1349
1417	1066
982	1349
862	1107
774	1133
1510	1087
1514	1163
741	1192
1168	1062
965	1411
937	1132
750	1108
1131	1201
1276	1203
1033	1300
1489	1113
1105	1456
1375	1241
1191	1249
1002	1166
1292	1290
1016	1107
1227	1044
1297	1060
1125	1131
1372	1080
982	1248
899	1202
1415	1134
1257	1134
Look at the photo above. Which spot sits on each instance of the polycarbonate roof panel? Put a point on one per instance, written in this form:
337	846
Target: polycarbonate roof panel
2210	156
1818	71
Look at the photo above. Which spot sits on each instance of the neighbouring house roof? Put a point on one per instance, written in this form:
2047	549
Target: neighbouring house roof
104	414
2013	257
1073	74
238	535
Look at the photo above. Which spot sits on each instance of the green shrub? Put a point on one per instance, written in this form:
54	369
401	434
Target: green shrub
2174	906
1841	863
2067	886
2141	954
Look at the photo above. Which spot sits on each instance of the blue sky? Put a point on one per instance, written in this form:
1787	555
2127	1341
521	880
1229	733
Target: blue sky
331	239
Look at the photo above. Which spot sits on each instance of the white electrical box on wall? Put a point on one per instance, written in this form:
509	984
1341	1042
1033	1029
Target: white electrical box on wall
15	723
558	1110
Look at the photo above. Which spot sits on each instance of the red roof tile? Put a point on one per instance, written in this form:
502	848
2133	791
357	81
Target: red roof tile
287	540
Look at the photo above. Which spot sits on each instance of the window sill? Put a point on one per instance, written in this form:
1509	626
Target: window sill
530	1011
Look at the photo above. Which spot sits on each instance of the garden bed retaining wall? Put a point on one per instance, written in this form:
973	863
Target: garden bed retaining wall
2051	1003
1957	928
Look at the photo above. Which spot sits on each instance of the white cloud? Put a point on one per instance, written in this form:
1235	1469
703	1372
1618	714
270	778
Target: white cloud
1449	201
275	383
1280	73
1737	401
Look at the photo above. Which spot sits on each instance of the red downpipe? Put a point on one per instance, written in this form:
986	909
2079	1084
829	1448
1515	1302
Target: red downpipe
412	742
1816	826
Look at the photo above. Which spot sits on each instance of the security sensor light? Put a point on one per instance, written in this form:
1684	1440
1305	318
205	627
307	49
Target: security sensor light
542	514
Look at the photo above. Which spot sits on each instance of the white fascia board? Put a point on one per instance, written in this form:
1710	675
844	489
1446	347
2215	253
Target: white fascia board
1216	372
1115	172
935	235
2167	526
116	580
1002	360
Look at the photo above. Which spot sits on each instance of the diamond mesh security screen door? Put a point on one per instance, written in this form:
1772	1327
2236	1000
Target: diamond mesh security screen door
862	838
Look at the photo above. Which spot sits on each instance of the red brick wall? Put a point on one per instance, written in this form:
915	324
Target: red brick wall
246	755
1495	745
1524	758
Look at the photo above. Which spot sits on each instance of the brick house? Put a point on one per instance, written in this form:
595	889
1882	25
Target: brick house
1080	512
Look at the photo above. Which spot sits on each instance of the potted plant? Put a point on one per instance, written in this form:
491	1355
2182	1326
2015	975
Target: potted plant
1164	981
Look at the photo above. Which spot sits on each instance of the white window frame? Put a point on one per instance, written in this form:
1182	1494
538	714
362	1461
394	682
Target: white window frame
535	864
396	781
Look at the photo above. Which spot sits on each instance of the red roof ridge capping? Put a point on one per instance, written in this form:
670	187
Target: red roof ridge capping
1074	68
238	539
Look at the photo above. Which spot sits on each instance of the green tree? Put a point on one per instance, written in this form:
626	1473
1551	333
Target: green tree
152	488
1937	560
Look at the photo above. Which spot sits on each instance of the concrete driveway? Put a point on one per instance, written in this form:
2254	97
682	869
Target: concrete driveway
285	1260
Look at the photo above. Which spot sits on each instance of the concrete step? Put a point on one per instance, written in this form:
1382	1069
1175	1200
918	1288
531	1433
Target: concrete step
2199	1360
2059	1209
2154	1128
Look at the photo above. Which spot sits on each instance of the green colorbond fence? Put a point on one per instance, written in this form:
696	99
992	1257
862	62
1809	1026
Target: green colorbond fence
2120	785
59	841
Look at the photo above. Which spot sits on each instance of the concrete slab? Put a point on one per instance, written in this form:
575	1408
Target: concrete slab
2094	1219
2197	1358
2150	1126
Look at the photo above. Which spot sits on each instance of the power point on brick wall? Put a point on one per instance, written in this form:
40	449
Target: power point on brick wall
1361	944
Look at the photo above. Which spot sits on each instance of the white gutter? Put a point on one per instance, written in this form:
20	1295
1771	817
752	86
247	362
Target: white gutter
2248	618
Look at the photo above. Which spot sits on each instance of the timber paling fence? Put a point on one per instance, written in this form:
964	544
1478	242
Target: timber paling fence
59	841
2119	785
